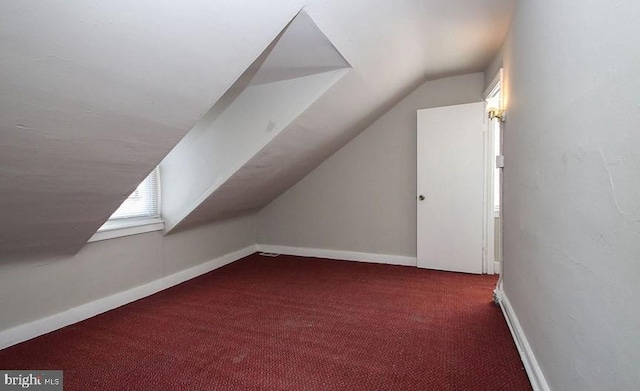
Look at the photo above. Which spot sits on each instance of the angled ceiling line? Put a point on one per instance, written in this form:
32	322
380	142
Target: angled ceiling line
239	85
294	71
326	38
211	191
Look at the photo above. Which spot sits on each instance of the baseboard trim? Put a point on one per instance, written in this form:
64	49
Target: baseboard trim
536	377
339	255
57	321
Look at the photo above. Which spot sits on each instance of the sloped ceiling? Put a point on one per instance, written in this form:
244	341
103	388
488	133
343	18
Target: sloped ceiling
293	72
93	95
302	50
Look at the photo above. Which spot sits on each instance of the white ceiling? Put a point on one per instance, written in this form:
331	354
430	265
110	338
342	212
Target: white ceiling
94	95
301	51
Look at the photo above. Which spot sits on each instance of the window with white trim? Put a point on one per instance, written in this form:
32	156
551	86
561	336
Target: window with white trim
144	202
139	213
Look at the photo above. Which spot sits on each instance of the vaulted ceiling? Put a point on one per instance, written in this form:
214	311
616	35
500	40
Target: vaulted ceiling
94	95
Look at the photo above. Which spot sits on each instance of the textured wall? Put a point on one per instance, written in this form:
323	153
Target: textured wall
363	198
572	189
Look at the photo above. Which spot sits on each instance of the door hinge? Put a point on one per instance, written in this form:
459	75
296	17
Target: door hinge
500	161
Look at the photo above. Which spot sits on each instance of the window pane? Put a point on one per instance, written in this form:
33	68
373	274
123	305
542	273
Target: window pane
143	202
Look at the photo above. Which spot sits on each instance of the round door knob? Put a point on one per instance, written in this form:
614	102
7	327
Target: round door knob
421	197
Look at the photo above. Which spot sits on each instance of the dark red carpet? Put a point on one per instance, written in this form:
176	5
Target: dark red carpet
291	323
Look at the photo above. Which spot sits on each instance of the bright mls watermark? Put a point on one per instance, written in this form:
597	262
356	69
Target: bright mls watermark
24	380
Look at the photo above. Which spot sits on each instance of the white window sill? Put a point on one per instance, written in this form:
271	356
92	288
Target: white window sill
126	227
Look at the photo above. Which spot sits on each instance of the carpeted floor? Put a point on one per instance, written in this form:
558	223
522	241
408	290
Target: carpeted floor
291	323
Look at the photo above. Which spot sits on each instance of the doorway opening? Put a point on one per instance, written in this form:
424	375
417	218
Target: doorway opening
494	162
459	186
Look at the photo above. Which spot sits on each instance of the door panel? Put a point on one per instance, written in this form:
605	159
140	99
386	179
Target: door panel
450	177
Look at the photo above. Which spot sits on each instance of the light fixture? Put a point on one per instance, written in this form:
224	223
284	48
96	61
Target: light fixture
495	109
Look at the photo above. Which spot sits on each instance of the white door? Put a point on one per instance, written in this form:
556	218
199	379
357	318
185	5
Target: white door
450	187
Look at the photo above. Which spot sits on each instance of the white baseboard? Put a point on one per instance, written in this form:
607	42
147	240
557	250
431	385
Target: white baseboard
339	255
54	322
536	377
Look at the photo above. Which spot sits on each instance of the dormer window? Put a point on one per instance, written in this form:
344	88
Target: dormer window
144	202
139	213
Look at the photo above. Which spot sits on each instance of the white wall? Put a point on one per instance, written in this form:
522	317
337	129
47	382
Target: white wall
363	198
34	289
572	189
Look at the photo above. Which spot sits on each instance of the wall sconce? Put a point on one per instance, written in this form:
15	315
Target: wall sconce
495	109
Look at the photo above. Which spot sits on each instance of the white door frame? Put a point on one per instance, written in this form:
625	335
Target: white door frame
488	234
